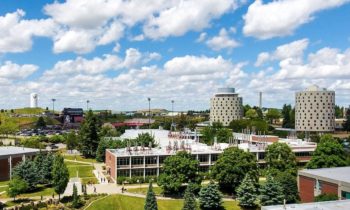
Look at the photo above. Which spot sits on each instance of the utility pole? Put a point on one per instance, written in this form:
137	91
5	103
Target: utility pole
53	105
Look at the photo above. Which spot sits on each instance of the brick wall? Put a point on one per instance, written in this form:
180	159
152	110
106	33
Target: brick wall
329	188
306	189
4	169
110	163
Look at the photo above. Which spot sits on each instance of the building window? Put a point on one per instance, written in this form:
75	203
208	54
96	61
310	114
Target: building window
137	172
137	160
123	161
123	173
152	160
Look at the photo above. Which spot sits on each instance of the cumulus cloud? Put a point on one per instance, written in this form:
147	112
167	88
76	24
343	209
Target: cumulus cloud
184	16
294	50
14	71
281	18
16	33
222	41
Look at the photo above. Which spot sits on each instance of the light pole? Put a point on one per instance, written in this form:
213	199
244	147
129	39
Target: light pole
53	105
149	113
172	115
87	104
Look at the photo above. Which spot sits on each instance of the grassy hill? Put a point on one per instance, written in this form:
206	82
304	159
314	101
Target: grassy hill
28	110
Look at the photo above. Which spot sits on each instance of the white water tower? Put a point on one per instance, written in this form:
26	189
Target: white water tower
33	100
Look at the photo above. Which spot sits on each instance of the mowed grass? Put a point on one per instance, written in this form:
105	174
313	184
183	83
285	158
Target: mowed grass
122	202
143	190
41	190
79	158
84	171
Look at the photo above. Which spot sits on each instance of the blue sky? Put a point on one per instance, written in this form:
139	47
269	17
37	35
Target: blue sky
117	53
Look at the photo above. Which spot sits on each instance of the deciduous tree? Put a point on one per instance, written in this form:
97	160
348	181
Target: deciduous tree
60	175
279	157
16	187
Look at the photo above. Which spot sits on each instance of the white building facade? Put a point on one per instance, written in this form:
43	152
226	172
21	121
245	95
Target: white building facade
226	106
315	110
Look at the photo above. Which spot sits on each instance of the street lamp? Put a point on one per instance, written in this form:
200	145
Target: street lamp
53	105
172	115
149	113
87	104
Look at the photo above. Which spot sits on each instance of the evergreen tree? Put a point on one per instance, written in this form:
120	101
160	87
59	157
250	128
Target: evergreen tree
71	140
16	187
40	123
210	198
329	153
88	135
60	175
247	192
189	198
289	185
271	193
27	171
151	200
287	118
346	124
43	163
75	197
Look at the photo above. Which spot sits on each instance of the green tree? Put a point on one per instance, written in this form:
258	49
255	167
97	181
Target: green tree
329	153
247	192
223	135
27	171
151	200
246	108
210	198
289	185
16	187
88	135
272	114
208	134
189	198
288	116
108	130
71	140
232	166
346	124
177	170
60	175
239	125
271	193
43	163
40	123
279	157
338	111
251	114
76	200
145	139
7	126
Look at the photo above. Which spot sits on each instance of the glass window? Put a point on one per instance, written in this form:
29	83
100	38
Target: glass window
123	172
152	160
137	160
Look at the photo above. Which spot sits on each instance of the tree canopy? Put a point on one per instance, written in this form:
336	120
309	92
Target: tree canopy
232	166
271	193
247	192
60	175
88	135
177	170
329	153
27	171
16	187
273	114
210	198
279	157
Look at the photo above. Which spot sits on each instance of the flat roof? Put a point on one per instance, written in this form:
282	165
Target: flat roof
336	174
327	205
10	150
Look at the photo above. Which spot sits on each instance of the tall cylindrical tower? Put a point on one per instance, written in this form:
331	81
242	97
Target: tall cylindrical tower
226	106
315	110
33	100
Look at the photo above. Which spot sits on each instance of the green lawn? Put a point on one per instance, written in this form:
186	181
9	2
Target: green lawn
143	190
4	183
70	163
41	190
79	158
83	171
122	202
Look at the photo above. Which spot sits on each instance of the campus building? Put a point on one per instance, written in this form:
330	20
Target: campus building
325	205
145	161
315	110
226	106
313	182
10	157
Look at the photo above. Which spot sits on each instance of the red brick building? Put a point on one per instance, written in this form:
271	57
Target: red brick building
10	157
313	182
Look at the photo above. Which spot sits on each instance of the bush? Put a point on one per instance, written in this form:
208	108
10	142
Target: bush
326	197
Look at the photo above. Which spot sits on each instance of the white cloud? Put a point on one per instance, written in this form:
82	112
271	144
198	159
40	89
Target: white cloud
140	37
193	65
116	48
293	50
222	41
113	33
281	18
201	37
14	71
132	58
16	34
184	16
